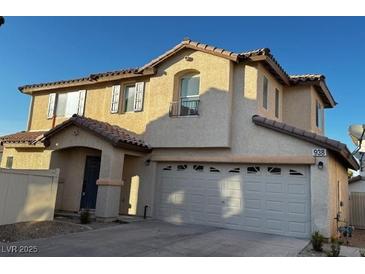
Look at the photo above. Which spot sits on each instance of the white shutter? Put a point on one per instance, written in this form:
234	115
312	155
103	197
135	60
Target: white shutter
114	108
81	105
51	105
138	98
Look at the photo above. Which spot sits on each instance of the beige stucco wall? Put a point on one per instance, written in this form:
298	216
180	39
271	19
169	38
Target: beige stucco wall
26	157
299	108
272	85
212	127
154	122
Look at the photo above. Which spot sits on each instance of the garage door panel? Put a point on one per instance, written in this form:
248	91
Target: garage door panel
274	187
253	186
262	201
297	207
297	189
253	204
275	206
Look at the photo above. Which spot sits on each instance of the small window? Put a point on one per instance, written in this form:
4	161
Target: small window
129	93
198	167
181	167
213	169
235	170
319	116
295	172
253	169
277	102
265	92
9	162
274	170
167	168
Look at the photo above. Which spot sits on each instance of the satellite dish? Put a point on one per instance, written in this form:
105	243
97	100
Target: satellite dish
357	134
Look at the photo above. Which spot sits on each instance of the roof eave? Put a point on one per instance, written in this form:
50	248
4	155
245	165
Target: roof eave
323	90
272	66
46	136
344	153
91	80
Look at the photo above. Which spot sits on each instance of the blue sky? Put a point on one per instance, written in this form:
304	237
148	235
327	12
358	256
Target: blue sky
38	49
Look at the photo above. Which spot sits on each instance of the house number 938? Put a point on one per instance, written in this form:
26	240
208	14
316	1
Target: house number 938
319	152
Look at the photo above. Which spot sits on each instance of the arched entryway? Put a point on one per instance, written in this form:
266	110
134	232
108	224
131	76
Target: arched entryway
79	172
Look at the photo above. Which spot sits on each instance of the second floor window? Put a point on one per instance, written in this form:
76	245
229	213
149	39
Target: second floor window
277	103
265	92
189	95
70	103
319	116
129	94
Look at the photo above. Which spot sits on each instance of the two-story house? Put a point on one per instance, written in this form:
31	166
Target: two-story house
198	135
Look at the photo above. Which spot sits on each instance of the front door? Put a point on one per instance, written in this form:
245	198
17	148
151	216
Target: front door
89	188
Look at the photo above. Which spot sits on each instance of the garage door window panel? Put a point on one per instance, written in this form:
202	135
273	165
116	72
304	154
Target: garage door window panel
181	167
253	170
274	170
294	172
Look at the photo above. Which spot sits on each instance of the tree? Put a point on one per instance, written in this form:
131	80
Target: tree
2	20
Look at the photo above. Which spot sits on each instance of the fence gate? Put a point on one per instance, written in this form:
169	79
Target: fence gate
357	209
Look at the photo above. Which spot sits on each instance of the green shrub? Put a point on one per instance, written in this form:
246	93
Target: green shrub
85	216
317	241
335	248
362	252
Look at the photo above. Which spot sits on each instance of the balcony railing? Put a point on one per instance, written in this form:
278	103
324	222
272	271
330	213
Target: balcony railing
184	107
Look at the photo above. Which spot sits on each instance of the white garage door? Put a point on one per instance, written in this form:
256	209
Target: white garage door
272	199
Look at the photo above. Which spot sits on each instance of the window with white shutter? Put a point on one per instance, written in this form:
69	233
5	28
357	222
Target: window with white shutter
81	106
138	98
51	105
114	108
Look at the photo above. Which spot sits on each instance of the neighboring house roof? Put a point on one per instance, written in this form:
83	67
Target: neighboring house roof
356	179
337	147
22	137
263	55
117	136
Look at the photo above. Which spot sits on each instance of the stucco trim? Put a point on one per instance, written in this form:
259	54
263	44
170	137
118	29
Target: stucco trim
109	182
268	159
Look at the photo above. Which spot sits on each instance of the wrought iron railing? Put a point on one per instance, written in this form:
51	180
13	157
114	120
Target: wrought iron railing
184	107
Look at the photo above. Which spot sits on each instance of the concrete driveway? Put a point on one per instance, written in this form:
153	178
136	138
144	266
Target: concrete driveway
155	238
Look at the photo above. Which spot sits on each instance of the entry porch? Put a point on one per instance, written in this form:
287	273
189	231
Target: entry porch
100	167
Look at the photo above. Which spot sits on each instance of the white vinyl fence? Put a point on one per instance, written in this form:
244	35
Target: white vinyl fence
27	195
357	209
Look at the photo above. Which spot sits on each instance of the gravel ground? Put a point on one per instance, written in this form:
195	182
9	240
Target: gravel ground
34	230
346	251
44	229
358	238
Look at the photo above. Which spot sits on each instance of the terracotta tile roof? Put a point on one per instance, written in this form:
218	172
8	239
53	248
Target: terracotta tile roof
263	55
356	179
88	79
306	78
29	137
192	45
117	136
335	146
